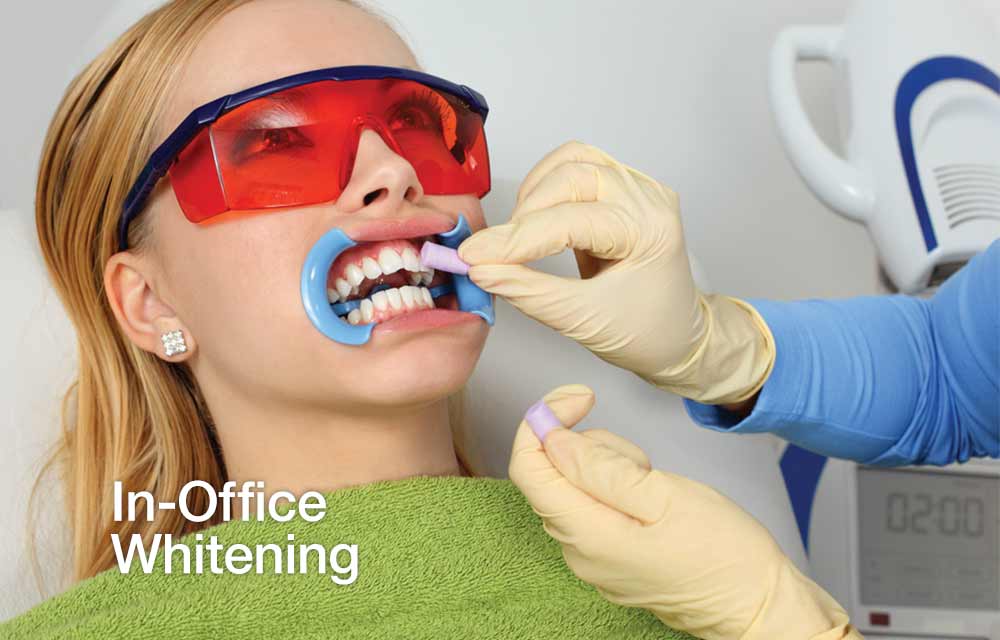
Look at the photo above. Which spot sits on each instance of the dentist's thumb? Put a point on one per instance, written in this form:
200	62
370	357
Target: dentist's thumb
497	254
561	471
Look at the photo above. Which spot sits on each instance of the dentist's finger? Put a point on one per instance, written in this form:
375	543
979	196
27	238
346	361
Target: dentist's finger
531	470
549	168
624	447
604	230
542	420
603	436
569	512
576	182
573	151
568	405
611	478
551	300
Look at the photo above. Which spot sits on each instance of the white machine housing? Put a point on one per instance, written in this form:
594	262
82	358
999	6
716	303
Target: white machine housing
950	590
919	109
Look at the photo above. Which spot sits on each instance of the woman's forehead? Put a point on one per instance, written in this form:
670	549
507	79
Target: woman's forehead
267	39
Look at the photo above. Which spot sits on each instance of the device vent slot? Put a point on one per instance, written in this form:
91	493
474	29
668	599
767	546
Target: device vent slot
969	192
957	222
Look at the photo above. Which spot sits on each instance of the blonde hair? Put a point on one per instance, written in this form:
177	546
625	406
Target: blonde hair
129	416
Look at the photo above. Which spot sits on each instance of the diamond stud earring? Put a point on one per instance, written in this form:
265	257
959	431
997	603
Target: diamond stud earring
173	342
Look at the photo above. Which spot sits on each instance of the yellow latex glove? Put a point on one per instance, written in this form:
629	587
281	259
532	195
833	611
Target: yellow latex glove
650	539
637	306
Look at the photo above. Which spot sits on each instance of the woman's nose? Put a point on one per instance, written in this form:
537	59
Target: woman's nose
381	179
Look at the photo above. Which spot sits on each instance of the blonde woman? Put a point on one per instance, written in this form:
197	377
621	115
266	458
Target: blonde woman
191	175
197	360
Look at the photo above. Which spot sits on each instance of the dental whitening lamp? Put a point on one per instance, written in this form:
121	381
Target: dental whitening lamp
910	552
919	111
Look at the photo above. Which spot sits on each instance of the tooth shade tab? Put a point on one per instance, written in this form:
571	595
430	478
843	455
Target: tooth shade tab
443	258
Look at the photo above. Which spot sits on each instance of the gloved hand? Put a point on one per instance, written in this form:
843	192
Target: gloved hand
636	305
650	539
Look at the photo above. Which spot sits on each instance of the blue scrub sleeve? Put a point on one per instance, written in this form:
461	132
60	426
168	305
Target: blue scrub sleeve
884	380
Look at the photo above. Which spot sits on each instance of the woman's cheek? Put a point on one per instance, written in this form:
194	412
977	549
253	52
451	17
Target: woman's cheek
235	294
468	205
476	217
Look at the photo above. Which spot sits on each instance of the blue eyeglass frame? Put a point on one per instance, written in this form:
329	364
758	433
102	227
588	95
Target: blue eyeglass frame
164	155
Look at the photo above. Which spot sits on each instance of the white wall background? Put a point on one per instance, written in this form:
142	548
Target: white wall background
676	88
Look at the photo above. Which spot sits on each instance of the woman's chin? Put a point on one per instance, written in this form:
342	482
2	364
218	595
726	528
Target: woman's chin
415	389
409	368
444	339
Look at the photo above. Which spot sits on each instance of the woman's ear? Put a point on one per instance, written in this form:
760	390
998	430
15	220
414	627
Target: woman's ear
145	319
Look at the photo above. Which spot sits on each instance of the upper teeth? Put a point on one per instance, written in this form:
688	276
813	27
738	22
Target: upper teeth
389	261
354	275
343	290
411	261
371	268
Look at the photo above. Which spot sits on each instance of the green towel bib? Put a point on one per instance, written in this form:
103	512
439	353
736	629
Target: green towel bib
438	558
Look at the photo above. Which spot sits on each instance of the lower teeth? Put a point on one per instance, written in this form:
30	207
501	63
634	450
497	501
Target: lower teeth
356	311
392	302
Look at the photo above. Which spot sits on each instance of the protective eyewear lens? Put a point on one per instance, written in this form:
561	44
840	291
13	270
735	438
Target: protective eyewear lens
297	146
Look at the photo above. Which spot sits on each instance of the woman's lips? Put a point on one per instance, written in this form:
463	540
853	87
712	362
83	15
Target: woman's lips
382	280
386	260
445	315
390	228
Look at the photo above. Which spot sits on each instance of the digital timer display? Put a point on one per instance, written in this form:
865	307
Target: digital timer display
928	539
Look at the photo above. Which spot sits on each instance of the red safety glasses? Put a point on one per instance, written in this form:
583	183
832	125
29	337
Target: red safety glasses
293	141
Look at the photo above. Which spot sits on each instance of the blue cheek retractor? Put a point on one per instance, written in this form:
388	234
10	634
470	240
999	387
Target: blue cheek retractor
314	276
470	297
324	316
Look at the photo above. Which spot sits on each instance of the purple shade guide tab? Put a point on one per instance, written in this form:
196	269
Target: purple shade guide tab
541	419
441	258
